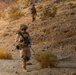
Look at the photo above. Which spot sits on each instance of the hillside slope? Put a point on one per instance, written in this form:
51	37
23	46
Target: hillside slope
55	34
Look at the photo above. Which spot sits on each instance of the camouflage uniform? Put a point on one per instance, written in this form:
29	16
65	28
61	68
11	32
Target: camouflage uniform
33	12
24	48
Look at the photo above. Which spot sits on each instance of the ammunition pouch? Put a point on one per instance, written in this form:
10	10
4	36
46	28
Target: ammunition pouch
21	45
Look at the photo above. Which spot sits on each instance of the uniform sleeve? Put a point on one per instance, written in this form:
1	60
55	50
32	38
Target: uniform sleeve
17	38
29	38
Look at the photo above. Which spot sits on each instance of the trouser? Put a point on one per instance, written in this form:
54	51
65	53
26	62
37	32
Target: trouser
33	17
25	54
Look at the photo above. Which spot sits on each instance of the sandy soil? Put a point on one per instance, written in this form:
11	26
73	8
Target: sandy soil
60	39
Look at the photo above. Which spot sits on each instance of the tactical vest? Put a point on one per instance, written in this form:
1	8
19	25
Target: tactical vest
33	10
22	43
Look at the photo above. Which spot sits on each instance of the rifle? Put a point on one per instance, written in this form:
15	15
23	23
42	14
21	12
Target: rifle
26	40
33	51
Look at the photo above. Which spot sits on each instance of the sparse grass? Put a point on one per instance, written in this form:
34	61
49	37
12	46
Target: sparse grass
54	11
5	55
39	7
46	59
71	73
70	34
44	30
26	2
2	14
48	12
45	0
62	11
71	3
53	27
15	13
5	34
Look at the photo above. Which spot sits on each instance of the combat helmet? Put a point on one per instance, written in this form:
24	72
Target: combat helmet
23	27
33	4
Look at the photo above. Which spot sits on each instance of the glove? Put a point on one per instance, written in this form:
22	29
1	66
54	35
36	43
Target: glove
29	45
17	47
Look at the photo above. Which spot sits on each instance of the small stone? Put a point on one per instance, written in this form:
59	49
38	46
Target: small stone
43	50
16	72
12	50
13	67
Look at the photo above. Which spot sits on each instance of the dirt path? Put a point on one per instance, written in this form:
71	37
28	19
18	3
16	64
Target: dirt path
13	67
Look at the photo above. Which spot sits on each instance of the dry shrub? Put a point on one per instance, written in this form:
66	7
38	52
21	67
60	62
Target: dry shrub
2	15
39	7
46	59
54	11
15	13
71	73
45	0
70	34
44	30
5	55
53	27
19	1
26	3
48	12
5	34
70	3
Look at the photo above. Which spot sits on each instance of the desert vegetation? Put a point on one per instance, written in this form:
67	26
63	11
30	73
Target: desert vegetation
5	54
49	12
46	59
71	34
71	73
15	13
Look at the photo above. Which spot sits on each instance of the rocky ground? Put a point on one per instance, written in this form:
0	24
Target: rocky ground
57	35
